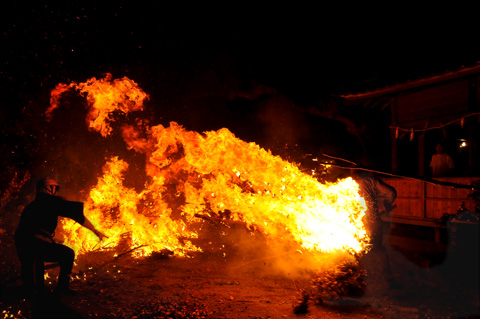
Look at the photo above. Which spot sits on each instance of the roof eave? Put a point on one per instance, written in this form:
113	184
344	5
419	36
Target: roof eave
414	84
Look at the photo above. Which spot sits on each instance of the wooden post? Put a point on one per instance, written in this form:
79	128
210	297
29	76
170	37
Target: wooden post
423	199
473	106
394	141
421	154
437	234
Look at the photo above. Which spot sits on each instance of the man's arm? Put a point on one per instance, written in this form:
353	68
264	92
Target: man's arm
87	224
385	197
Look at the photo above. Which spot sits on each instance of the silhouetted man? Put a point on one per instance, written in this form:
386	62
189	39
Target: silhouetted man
34	237
379	197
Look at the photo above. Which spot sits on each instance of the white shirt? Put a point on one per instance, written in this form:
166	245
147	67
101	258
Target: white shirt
441	164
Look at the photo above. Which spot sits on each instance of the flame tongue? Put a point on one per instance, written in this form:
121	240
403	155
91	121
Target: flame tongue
105	97
211	173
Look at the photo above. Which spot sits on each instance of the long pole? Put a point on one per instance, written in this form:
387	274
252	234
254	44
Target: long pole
424	179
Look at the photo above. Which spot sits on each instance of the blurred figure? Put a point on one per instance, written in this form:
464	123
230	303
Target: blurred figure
34	237
441	164
379	197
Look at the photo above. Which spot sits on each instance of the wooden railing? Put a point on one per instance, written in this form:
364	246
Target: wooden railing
423	203
418	199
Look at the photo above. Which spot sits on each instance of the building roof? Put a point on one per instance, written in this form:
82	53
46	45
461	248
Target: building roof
449	75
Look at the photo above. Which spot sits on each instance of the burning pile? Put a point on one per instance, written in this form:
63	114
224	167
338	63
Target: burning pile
347	279
213	175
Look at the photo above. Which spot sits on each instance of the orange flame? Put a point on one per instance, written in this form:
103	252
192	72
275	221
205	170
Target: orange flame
212	173
104	97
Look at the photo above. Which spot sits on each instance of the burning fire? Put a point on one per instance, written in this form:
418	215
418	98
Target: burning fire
104	97
214	175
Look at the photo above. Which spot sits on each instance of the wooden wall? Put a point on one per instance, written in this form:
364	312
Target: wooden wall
421	200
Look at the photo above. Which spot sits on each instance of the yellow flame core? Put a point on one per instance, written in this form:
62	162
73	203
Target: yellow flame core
113	208
213	173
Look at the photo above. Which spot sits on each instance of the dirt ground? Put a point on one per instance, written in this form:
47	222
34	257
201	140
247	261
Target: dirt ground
211	285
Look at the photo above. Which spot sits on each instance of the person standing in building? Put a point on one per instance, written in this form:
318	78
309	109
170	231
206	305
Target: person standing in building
441	164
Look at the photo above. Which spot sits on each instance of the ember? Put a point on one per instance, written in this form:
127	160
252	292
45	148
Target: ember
212	173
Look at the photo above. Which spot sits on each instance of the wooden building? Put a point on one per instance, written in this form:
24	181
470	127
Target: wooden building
441	108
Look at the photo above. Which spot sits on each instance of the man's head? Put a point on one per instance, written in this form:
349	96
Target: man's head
439	148
47	186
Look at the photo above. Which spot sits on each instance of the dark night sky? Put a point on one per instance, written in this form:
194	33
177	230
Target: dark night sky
226	61
301	51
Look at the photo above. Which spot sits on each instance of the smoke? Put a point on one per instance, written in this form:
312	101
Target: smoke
281	120
252	252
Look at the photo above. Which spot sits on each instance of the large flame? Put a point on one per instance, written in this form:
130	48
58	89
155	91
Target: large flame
214	175
105	97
